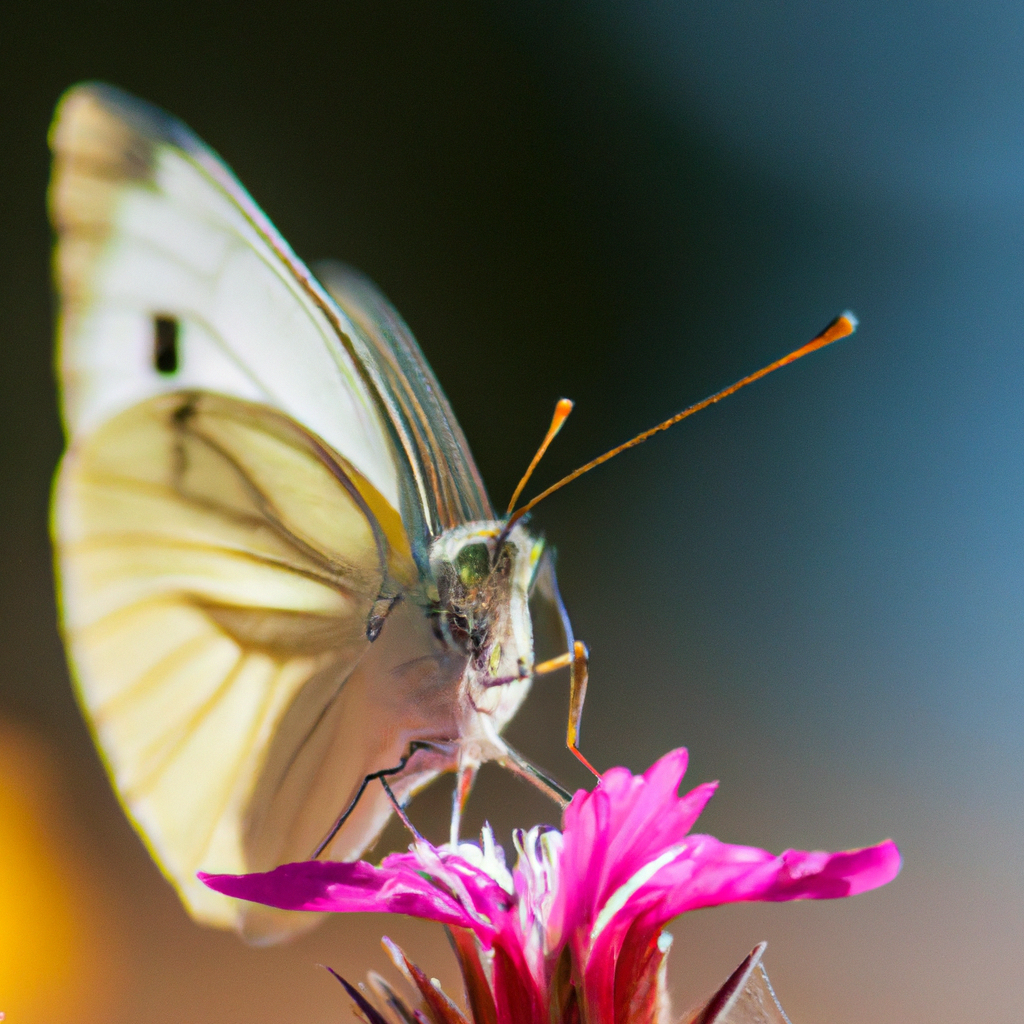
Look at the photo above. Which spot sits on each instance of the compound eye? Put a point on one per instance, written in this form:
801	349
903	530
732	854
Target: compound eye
473	564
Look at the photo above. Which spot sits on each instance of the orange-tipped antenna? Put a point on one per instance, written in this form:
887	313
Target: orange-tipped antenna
842	327
562	409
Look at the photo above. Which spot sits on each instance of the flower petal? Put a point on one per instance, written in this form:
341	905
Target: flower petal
712	872
516	994
396	887
705	873
613	832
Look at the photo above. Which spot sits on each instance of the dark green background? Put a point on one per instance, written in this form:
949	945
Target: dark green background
815	586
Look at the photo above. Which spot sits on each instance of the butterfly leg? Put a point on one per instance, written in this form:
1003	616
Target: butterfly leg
577	695
519	765
398	806
552	665
578	662
464	780
383	776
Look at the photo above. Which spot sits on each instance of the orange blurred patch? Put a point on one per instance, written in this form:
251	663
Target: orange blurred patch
56	949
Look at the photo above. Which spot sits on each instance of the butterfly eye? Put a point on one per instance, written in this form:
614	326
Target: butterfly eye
165	344
473	564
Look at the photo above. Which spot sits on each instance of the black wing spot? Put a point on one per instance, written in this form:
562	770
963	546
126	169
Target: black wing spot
165	344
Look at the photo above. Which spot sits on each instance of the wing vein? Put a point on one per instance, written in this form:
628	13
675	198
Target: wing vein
181	733
153	675
244	751
121	540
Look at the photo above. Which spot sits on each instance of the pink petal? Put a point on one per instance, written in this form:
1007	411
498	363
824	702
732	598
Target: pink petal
517	998
395	887
708	873
716	872
627	821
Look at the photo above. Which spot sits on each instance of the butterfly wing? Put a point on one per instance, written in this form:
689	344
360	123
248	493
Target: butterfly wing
153	229
215	559
221	565
448	486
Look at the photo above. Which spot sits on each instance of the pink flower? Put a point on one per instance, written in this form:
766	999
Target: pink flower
575	932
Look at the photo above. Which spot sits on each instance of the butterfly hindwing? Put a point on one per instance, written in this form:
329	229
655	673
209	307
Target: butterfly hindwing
214	559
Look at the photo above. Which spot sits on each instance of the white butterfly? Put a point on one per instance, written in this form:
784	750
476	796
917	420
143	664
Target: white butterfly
280	573
281	578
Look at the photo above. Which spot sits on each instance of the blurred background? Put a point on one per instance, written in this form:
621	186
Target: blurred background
816	586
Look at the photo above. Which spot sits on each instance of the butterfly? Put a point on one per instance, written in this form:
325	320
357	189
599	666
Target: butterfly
281	579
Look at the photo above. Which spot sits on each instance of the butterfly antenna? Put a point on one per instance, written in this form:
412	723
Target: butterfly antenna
842	327
562	409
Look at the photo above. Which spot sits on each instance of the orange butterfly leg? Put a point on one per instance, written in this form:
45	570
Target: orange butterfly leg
577	695
578	662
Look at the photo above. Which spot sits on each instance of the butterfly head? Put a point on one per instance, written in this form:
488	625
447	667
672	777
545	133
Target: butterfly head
483	587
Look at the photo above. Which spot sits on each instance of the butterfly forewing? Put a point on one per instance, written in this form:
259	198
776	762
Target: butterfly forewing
447	482
153	228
